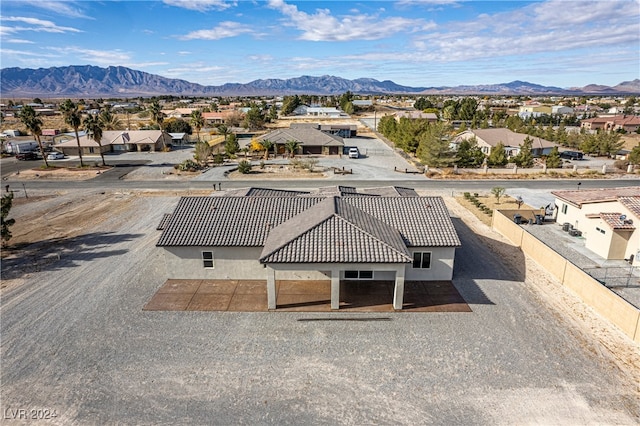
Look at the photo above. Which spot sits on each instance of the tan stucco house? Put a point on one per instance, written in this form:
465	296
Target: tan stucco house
335	233
608	219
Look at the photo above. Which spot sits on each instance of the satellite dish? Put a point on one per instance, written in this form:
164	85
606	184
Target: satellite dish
623	216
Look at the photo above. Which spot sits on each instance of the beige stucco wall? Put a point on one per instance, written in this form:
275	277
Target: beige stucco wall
242	263
442	259
608	304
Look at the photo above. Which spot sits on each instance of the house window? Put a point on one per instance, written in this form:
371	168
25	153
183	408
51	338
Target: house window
207	259
564	209
358	275
90	150
422	259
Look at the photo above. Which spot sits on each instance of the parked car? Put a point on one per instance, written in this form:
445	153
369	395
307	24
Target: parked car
571	155
55	156
29	155
354	153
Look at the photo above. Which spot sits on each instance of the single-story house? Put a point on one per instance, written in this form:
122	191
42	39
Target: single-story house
342	130
417	115
292	235
628	123
608	219
489	138
311	140
327	112
117	141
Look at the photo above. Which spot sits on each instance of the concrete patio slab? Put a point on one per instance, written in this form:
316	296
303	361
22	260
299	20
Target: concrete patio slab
304	296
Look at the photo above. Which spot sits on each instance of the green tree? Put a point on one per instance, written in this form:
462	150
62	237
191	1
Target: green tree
34	124
5	223
93	126
197	121
177	125
497	156
231	145
254	119
244	167
289	104
498	192
387	125
434	146
634	155
609	143
553	160
469	153
292	146
525	156
467	109
156	114
108	120
202	152
346	98
73	118
267	145
422	104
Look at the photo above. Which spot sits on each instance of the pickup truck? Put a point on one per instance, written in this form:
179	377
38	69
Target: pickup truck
29	155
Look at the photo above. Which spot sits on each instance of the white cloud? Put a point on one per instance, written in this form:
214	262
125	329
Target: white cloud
322	26
201	5
223	30
92	56
37	25
19	41
66	8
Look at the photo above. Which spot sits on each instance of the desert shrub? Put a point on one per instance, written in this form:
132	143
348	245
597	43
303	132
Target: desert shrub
218	159
621	164
244	167
467	195
187	166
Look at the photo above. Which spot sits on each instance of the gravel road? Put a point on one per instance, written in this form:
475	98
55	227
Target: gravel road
75	340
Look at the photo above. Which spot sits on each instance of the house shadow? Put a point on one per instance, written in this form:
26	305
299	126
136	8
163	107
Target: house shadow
482	258
60	253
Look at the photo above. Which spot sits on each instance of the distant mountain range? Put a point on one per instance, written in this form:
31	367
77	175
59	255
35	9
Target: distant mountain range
91	82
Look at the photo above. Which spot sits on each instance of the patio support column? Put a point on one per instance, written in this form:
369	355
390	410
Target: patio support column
271	288
398	291
335	289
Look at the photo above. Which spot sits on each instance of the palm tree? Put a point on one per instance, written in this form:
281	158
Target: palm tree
93	126
292	146
156	114
73	118
34	124
267	145
158	117
108	120
197	121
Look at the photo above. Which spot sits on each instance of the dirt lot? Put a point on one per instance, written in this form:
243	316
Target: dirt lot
76	338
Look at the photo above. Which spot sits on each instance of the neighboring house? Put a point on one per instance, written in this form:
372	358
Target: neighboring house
311	140
326	112
628	123
272	235
608	219
218	117
341	130
117	141
417	115
178	138
489	138
178	112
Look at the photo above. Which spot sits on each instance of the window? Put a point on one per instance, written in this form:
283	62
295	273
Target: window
207	259
422	259
564	209
358	275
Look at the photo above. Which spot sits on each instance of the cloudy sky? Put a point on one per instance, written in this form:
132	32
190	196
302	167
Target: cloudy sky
412	42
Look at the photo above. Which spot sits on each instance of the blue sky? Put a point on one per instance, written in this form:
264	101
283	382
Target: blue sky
411	42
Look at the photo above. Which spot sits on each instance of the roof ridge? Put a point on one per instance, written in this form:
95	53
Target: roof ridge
374	236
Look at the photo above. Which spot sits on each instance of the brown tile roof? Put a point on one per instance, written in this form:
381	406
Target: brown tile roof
600	195
632	203
303	135
248	221
616	221
334	231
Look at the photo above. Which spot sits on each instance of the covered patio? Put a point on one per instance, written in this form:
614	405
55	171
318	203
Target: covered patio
304	296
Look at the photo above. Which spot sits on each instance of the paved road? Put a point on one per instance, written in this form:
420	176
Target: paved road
75	340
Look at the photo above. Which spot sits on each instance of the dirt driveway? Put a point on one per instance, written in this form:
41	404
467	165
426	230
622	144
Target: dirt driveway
76	340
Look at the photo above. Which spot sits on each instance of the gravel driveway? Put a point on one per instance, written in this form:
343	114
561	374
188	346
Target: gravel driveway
76	340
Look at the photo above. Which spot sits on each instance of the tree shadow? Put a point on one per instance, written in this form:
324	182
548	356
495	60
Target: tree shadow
483	258
60	253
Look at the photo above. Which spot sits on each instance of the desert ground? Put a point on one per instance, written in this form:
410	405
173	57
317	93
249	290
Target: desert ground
75	339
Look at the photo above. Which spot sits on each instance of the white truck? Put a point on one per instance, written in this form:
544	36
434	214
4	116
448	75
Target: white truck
21	147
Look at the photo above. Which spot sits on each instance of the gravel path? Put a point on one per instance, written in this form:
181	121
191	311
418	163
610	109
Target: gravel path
75	340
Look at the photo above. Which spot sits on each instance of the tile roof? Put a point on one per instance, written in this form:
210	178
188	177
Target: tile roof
599	195
303	135
247	221
334	231
164	221
632	203
617	221
508	138
263	192
391	191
